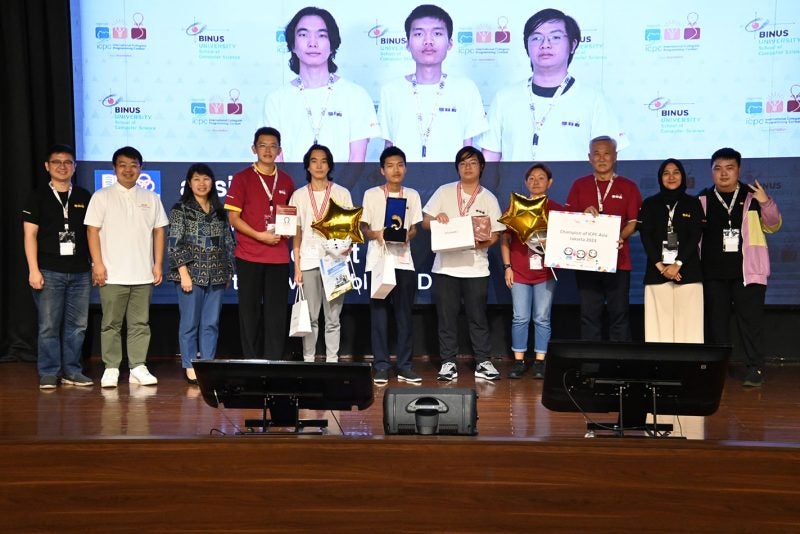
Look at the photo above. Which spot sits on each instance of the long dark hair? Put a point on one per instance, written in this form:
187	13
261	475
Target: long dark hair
213	197
333	36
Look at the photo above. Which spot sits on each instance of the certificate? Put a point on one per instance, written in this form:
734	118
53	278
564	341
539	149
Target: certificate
582	242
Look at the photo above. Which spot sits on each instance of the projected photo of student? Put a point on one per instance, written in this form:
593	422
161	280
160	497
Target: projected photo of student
429	113
319	106
551	115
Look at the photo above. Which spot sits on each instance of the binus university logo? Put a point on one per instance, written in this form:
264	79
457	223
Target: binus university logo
111	100
658	103
380	34
756	25
195	28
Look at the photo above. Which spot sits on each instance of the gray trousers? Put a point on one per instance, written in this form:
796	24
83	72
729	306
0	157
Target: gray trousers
315	295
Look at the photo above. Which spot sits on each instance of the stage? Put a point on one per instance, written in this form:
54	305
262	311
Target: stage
159	458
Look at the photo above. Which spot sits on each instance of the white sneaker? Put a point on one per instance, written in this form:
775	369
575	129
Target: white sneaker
331	359
140	375
487	371
110	378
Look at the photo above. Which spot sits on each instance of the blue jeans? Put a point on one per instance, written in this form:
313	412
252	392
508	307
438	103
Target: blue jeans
199	325
63	310
527	298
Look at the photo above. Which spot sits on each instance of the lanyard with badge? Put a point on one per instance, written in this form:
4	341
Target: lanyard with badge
269	218
66	239
730	235
669	248
537	125
602	199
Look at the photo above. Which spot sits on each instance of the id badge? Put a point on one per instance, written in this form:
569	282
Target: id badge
535	262
269	219
668	255
730	240
66	243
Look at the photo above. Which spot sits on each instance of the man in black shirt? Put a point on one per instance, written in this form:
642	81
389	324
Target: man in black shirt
735	258
59	270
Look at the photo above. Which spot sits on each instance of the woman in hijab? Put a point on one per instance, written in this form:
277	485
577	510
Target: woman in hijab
670	226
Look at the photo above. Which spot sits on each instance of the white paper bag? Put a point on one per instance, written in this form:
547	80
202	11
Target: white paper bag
336	276
300	324
383	275
457	234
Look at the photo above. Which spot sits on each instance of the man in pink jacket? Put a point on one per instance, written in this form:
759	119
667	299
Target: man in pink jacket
735	258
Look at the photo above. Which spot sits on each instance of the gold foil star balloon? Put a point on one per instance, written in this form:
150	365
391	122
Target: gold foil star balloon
340	223
525	216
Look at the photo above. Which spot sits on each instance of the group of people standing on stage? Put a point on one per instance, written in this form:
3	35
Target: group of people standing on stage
707	252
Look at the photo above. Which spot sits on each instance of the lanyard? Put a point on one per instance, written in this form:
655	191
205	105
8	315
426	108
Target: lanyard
728	208
601	200
264	184
462	209
318	213
537	125
315	128
425	132
670	215
64	205
386	191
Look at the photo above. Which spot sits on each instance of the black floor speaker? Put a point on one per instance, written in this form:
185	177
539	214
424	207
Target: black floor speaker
430	411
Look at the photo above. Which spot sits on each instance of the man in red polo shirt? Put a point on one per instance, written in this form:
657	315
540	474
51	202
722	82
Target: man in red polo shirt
605	192
262	257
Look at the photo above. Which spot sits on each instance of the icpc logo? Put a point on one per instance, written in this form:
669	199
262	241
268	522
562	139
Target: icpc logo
675	31
119	31
195	28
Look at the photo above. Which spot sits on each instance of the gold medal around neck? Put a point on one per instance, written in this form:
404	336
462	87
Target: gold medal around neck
525	216
340	223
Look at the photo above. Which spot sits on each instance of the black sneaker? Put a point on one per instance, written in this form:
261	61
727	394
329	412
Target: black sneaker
381	377
518	369
538	369
408	375
487	371
754	378
78	379
48	382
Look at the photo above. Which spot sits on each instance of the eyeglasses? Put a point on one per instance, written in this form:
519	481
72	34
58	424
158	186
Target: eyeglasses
554	38
273	148
468	163
61	163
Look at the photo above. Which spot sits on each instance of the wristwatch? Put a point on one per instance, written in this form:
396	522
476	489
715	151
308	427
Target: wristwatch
506	266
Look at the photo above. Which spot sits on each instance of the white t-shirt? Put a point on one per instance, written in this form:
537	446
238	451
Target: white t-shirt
579	115
349	116
463	263
126	218
457	114
311	244
375	213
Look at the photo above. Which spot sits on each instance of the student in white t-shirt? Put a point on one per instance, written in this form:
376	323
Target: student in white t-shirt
429	113
311	202
464	274
401	298
319	107
550	116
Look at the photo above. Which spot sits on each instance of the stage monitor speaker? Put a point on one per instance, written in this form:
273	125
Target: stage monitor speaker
430	411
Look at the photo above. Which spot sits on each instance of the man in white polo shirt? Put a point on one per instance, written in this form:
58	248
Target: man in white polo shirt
125	229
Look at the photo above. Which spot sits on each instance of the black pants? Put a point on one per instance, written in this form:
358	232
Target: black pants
604	289
448	291
724	298
400	301
263	301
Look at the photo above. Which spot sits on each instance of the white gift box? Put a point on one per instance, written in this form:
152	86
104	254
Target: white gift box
457	234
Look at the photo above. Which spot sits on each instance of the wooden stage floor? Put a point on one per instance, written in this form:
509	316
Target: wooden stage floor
87	459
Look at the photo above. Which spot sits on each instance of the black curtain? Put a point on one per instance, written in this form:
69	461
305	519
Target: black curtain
36	110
